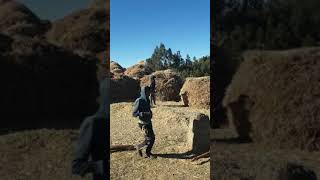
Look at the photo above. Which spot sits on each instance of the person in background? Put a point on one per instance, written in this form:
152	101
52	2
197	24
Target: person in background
152	90
143	111
93	140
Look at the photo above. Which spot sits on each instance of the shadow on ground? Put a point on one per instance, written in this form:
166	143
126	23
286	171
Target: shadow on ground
231	141
167	105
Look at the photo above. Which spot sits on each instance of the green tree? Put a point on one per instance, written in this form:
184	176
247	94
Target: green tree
188	61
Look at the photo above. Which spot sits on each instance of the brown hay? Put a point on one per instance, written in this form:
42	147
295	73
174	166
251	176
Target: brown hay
168	85
17	19
41	82
138	71
124	88
84	31
196	92
116	68
274	98
38	154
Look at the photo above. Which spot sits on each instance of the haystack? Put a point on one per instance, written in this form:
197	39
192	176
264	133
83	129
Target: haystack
17	19
45	86
168	85
116	68
198	135
138	71
274	98
195	92
124	88
82	31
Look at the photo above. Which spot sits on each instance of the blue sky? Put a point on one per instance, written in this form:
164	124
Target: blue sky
54	9
137	27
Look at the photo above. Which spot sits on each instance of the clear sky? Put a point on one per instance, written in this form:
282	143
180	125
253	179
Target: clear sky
137	27
54	9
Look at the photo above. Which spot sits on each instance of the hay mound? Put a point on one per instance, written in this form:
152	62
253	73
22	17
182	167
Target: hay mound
124	88
198	136
195	92
45	85
274	98
116	68
139	70
17	19
168	85
84	31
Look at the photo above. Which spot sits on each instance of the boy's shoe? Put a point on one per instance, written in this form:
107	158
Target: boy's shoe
139	151
150	156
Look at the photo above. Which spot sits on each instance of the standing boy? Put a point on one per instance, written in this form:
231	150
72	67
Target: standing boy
143	111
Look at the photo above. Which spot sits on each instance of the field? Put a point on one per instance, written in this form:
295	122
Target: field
169	122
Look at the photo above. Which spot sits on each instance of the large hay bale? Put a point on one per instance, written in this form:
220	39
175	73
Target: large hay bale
45	86
195	92
139	70
17	19
198	136
274	98
124	88
168	85
85	30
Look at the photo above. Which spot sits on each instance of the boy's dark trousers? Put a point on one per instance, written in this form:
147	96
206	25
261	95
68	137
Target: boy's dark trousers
149	137
153	98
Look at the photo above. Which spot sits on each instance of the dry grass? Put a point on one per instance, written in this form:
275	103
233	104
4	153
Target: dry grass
138	70
37	155
231	160
170	122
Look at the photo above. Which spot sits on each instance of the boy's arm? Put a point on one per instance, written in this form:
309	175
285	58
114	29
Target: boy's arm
81	164
136	112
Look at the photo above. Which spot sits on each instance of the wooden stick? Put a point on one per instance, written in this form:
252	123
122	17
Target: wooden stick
206	154
114	148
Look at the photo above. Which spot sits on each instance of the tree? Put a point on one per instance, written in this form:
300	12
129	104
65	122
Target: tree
169	57
188	61
177	59
158	60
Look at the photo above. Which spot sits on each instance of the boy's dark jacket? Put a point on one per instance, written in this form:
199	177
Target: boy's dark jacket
93	140
141	106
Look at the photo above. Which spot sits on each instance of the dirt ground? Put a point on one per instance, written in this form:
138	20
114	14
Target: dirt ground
232	160
169	122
